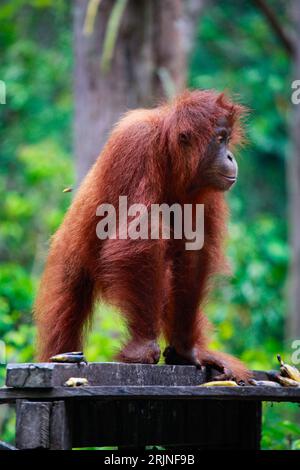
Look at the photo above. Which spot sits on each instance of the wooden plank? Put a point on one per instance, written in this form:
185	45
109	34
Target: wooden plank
181	423
42	425
60	430
284	394
32	427
47	375
29	375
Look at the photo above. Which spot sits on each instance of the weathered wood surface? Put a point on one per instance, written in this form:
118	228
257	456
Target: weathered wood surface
42	425
44	381
8	395
181	423
52	374
60	431
46	375
137	423
134	405
32	428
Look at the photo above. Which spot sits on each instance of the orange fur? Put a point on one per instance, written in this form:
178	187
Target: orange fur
156	283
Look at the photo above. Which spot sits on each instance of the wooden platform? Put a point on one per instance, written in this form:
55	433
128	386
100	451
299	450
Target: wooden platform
134	405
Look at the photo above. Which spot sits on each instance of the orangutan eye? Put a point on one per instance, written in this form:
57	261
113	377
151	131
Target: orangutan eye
185	137
222	137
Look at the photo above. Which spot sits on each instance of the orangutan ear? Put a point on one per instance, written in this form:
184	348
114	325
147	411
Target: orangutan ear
221	99
185	137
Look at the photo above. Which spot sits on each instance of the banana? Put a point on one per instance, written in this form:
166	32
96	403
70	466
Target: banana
263	383
287	382
69	357
220	383
76	382
288	371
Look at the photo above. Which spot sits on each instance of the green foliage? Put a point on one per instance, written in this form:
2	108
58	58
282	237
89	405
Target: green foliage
34	158
252	301
281	429
106	336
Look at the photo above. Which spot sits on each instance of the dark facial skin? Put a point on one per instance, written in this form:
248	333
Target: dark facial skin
218	169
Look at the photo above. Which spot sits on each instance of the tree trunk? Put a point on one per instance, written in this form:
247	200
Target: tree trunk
149	62
294	187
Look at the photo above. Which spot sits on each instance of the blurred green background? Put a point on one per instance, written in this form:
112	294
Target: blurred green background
36	164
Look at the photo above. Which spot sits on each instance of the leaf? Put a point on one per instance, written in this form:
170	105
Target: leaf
90	17
112	33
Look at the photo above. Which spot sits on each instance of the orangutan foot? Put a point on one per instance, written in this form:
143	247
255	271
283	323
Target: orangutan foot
140	351
189	357
229	367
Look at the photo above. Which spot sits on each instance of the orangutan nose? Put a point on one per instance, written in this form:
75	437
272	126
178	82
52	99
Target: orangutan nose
231	164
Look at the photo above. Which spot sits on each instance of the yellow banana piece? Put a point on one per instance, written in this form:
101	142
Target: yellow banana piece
70	357
76	382
288	371
220	383
287	382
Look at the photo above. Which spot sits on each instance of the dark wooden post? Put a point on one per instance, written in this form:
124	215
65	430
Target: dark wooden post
32	431
60	431
172	423
42	425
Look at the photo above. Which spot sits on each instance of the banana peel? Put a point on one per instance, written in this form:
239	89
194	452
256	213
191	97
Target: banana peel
220	383
288	371
76	382
264	383
287	382
69	357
